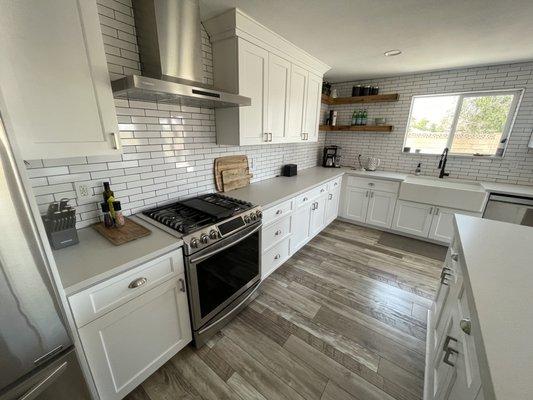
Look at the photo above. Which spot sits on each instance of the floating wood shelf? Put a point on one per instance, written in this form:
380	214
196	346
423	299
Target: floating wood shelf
357	128
360	99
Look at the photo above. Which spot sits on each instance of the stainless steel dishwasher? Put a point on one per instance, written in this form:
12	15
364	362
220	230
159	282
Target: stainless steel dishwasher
507	208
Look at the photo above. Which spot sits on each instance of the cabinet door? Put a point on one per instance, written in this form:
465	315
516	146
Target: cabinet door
55	94
413	218
380	208
312	107
332	206
318	214
442	223
129	343
443	372
253	83
300	227
297	100
356	204
279	72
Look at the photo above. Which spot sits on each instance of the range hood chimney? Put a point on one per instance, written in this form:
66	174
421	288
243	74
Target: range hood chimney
169	39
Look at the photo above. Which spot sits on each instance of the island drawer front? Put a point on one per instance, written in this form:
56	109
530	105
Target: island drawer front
275	232
376	184
277	212
98	300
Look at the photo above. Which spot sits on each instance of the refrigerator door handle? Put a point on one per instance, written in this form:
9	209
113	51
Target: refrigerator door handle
45	383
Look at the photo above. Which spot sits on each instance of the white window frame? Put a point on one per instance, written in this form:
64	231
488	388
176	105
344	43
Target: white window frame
507	129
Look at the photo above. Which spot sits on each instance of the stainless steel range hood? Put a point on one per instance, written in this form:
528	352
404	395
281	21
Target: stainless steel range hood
169	39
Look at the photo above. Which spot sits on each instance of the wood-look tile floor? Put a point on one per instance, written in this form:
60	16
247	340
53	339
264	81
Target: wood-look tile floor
344	318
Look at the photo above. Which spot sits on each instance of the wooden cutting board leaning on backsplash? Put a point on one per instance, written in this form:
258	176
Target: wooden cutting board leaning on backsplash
231	172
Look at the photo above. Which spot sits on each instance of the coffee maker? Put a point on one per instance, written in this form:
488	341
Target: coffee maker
332	157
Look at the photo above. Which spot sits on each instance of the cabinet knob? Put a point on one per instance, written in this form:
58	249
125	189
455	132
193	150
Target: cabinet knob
466	325
137	283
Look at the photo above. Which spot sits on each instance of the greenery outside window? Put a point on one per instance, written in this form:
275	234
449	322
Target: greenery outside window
470	124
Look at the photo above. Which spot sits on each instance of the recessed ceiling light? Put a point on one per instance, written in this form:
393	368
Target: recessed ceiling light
392	53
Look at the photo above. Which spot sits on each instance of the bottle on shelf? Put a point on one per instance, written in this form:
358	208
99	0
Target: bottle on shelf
354	118
364	117
359	117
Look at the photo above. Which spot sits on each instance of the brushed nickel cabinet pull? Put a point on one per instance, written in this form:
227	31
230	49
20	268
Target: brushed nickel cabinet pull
446	359
455	256
278	232
182	283
466	325
330	196
279	212
277	257
137	283
116	141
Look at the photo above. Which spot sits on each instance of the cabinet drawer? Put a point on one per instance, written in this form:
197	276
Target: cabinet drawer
277	212
274	257
276	232
108	295
376	184
305	198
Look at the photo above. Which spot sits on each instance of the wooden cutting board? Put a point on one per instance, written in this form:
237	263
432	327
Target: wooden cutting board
235	179
130	231
230	163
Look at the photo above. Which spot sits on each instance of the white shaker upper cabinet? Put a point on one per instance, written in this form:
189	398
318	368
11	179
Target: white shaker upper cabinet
297	103
55	94
312	110
278	96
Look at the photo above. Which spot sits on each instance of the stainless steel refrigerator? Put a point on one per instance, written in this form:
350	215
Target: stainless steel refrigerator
37	359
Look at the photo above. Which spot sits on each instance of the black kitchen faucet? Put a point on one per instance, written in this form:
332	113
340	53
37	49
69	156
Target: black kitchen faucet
442	163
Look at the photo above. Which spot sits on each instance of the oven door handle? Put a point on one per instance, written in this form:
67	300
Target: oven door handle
203	257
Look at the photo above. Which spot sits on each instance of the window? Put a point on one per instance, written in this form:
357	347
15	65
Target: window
476	123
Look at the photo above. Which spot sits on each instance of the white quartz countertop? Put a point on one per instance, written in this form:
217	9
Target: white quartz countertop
95	258
269	192
499	271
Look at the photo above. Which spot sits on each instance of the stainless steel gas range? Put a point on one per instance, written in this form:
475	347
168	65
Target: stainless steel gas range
222	250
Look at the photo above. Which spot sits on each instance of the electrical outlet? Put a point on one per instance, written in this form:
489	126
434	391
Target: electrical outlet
82	190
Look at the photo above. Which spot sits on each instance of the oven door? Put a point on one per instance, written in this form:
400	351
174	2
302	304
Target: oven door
220	273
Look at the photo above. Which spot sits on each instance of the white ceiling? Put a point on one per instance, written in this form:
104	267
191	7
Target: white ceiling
352	35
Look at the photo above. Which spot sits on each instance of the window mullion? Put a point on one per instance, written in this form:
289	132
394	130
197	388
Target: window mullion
455	121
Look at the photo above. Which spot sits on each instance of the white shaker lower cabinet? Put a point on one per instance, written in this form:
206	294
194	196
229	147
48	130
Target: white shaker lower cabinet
134	338
412	218
301	230
356	204
426	220
56	97
308	214
380	208
452	370
369	201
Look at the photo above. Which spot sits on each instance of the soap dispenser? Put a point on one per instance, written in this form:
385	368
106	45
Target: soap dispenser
418	170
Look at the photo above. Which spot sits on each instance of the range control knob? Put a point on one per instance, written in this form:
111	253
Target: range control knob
194	243
204	238
253	216
213	234
247	219
259	214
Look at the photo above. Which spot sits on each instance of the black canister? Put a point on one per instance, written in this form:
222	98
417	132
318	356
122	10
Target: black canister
375	90
357	90
366	90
